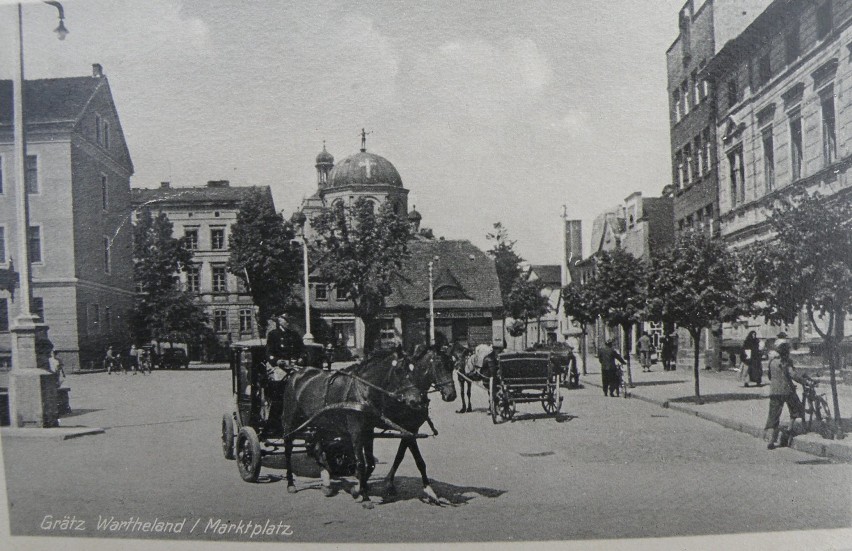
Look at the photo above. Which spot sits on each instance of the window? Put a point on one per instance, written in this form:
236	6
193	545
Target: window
95	317
684	96
687	164
193	278
220	279
737	176
220	321
340	294
705	89
792	46
706	138
321	291
708	214
190	239
764	70
37	308
680	224
35	243
31	176
4	315
106	135
104	192
241	286
678	169
733	93
768	159
2	245
699	159
696	88
824	19
676	103
689	222
98	135
217	239
796	145
108	319
829	136
245	320
107	260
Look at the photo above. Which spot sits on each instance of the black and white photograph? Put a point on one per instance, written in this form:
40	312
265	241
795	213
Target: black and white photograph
344	274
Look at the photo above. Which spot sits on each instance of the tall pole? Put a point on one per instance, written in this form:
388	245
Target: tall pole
431	309
309	338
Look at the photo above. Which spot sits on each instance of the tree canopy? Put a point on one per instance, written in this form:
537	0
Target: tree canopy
507	262
526	301
263	256
360	249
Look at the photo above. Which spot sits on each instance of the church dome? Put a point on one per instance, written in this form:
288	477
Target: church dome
325	157
364	169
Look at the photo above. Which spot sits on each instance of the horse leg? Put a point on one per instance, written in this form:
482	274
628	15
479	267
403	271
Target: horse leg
325	475
469	403
400	454
361	493
369	458
288	464
461	388
421	466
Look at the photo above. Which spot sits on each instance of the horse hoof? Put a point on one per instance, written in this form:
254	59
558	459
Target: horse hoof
368	505
291	488
391	490
461	411
327	491
430	494
469	409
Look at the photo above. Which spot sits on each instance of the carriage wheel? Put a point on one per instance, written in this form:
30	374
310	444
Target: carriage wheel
550	399
340	458
228	436
504	404
248	454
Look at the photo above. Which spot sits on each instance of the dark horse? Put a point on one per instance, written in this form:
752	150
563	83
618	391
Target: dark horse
351	402
432	366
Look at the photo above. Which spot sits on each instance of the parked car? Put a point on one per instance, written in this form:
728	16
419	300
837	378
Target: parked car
174	358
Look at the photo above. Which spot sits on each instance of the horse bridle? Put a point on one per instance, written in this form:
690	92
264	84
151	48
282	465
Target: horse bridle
438	386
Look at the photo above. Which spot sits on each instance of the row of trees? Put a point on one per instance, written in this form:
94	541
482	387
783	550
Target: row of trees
697	283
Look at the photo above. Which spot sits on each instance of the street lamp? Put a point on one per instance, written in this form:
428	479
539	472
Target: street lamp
27	334
300	219
431	305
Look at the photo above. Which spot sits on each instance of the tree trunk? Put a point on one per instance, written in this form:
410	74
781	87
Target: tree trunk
696	351
836	351
583	345
371	334
627	342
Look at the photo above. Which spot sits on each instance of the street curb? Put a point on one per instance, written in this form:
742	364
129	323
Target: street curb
829	450
57	433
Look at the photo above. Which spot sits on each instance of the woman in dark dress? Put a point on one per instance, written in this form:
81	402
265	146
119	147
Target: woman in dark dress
751	356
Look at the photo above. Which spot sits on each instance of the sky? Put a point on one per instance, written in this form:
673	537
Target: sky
490	111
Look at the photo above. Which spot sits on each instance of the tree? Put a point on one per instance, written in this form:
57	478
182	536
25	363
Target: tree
526	302
506	261
162	310
360	250
263	256
807	267
578	303
693	285
618	293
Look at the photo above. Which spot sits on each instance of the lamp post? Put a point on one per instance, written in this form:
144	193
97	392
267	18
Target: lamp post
432	304
28	335
300	219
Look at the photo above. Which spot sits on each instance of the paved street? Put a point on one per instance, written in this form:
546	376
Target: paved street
609	468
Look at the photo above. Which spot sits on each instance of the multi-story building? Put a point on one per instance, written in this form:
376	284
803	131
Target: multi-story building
202	217
78	172
466	291
704	26
782	119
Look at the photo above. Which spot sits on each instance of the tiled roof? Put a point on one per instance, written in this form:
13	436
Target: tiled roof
52	100
460	261
191	195
548	273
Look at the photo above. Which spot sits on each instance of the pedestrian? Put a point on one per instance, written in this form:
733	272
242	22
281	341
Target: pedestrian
782	391
608	356
55	367
109	360
666	344
752	368
571	368
133	358
644	346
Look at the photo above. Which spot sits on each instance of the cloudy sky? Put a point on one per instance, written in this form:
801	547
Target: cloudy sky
491	111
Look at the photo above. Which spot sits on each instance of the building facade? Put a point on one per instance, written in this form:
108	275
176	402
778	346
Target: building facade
202	217
78	180
783	114
466	291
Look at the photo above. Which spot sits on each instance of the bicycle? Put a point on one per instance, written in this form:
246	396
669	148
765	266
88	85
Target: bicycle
815	405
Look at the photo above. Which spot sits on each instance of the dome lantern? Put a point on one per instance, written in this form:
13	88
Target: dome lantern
324	164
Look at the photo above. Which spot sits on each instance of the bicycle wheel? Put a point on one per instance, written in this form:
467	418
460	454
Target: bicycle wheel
826	420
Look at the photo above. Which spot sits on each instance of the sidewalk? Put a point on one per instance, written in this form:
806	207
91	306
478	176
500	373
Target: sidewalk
727	403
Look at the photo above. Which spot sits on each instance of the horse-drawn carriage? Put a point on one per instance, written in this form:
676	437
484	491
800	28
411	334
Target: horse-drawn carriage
524	377
248	432
330	415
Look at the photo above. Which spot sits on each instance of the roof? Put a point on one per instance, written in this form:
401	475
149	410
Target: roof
364	169
459	263
547	273
51	100
190	195
325	157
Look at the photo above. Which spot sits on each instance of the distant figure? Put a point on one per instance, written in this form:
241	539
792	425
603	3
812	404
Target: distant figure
134	358
644	345
666	345
110	361
283	344
752	368
782	391
570	368
609	371
55	367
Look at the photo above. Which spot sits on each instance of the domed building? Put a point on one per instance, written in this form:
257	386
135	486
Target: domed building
465	287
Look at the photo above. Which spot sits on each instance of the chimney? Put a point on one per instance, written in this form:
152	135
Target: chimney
218	183
165	185
97	70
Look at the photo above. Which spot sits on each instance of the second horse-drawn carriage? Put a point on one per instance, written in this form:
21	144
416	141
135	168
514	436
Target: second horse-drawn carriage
524	377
